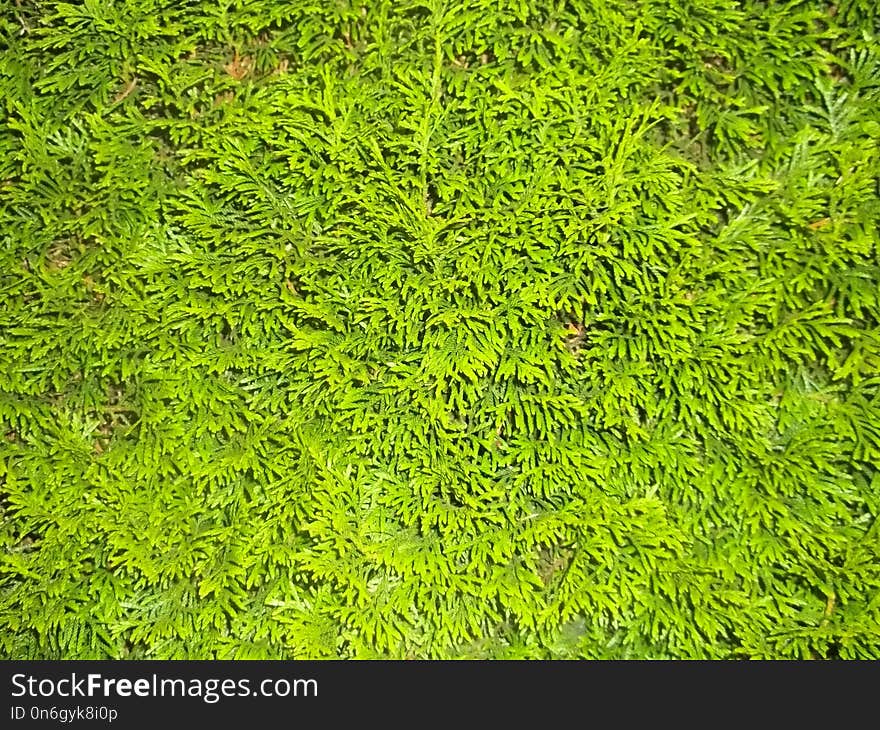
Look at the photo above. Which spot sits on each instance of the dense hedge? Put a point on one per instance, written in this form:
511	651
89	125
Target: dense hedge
440	328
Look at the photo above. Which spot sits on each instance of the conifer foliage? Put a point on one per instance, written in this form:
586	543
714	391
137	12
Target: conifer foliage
439	328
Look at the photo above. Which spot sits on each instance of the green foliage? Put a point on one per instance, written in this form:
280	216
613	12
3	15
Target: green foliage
440	328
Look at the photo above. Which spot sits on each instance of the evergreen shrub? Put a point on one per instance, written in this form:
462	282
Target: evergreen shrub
439	328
